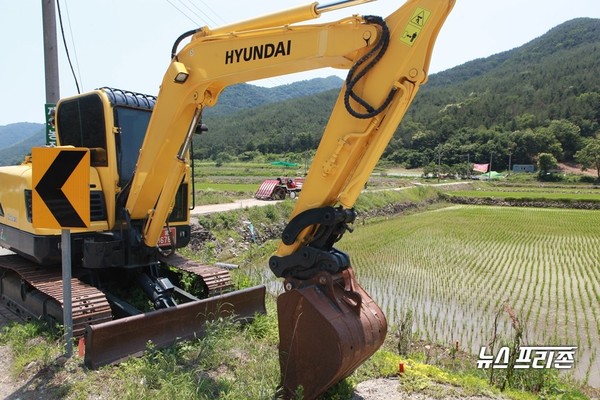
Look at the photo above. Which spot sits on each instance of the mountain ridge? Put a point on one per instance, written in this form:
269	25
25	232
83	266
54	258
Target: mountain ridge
486	105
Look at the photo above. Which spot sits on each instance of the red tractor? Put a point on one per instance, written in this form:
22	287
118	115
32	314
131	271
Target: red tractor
278	189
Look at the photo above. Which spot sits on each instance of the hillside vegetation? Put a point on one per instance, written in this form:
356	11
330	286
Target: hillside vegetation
16	140
543	97
14	133
244	96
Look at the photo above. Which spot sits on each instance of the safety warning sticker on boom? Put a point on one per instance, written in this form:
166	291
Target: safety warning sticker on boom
414	26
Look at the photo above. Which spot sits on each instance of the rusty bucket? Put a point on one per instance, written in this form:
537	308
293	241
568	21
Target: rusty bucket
328	326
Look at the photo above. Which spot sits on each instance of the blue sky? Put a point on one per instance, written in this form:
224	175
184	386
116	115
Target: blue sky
126	43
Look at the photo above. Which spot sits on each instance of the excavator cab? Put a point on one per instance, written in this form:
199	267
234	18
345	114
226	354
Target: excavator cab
112	123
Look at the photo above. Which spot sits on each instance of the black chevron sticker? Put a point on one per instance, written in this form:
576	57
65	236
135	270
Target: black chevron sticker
50	188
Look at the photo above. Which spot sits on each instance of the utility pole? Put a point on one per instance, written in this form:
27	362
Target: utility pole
51	68
50	51
439	161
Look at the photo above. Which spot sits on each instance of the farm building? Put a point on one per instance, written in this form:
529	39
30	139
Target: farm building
523	168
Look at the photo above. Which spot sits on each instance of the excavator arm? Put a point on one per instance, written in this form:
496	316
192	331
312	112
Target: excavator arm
378	91
388	60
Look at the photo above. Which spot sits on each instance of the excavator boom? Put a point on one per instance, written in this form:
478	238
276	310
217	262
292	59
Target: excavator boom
387	59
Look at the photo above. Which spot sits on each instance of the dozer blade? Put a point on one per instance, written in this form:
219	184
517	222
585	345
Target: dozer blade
117	340
328	326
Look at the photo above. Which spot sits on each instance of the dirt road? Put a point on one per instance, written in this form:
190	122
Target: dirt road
213	208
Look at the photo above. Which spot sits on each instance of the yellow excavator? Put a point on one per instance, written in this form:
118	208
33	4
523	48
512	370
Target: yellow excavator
140	184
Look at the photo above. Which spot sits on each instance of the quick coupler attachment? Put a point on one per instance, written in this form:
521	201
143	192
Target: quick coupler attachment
318	254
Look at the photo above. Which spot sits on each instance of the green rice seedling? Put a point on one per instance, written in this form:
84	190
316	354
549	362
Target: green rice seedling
454	266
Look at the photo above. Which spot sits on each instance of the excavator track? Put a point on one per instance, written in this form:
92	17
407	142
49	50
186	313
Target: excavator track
31	291
90	305
217	280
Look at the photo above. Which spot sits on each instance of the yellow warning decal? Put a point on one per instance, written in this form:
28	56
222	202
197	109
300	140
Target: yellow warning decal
420	17
410	34
414	26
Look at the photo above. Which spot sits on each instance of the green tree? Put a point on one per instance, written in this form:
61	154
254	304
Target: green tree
223	157
546	163
589	155
525	121
569	136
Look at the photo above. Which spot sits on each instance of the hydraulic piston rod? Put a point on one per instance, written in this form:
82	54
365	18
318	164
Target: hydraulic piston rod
338	5
288	17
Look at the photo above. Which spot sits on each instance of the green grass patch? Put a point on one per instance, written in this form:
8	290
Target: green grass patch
227	187
206	197
370	201
240	363
31	344
243	169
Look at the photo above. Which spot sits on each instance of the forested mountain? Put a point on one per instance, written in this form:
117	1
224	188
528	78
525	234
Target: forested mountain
16	140
14	133
244	96
287	126
15	154
541	97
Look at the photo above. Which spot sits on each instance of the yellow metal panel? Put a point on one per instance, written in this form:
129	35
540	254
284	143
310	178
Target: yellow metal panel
15	180
61	192
350	147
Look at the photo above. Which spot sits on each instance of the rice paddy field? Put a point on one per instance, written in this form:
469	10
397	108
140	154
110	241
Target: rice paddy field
582	195
455	267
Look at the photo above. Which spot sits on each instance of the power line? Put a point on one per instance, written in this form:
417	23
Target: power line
73	42
183	13
205	14
202	17
62	31
276	80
